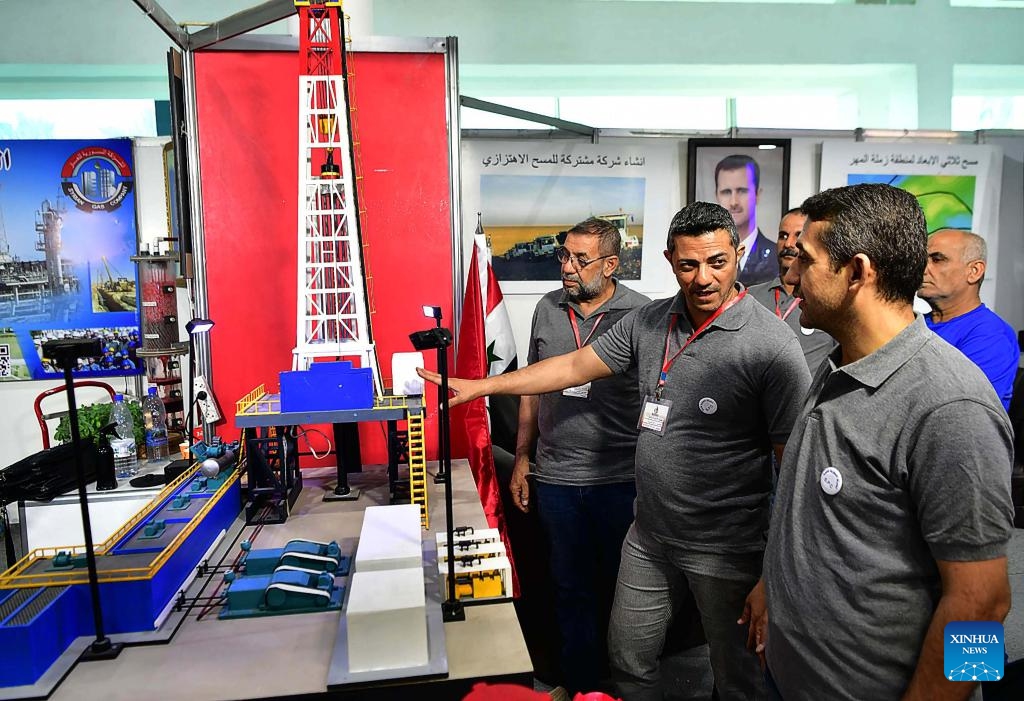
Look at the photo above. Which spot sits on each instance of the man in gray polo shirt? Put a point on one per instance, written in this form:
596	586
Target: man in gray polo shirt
722	380
586	440
893	509
778	296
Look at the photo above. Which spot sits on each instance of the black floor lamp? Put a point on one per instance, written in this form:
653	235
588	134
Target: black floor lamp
440	338
66	352
194	328
442	405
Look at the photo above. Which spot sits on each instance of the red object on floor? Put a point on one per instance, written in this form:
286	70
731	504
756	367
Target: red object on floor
482	691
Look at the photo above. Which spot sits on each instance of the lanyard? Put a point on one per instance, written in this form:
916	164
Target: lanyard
576	328
778	311
667	363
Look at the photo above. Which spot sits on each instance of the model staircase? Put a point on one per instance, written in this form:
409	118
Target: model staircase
418	465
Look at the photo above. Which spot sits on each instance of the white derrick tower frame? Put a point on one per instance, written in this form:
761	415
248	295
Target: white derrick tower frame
332	317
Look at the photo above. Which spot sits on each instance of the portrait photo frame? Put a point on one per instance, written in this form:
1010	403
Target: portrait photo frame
756	209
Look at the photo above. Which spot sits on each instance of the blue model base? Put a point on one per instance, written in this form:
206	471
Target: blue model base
327	386
37	624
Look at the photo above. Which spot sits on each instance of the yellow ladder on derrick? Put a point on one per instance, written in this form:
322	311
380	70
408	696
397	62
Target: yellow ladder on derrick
417	463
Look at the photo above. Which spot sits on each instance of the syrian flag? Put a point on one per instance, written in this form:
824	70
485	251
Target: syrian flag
486	347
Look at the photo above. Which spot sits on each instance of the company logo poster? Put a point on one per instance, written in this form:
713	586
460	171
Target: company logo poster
974	651
67	234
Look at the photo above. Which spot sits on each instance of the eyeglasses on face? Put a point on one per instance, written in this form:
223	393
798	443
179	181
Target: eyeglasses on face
578	262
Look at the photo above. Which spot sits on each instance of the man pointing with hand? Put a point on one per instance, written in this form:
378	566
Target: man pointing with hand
720	381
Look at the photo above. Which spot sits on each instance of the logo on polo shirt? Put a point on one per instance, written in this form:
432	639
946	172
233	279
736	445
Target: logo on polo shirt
707	405
831	481
974	651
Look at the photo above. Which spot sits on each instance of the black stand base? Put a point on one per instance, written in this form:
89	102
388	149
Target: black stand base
343	493
101	649
265	509
440	478
275	479
453	611
400	492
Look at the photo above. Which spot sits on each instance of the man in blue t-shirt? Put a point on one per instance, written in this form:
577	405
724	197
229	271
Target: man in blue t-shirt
951	287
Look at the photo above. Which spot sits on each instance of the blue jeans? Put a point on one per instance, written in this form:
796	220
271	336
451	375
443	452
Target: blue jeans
655	580
585	527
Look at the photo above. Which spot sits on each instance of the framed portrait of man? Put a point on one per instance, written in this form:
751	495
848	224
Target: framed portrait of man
750	178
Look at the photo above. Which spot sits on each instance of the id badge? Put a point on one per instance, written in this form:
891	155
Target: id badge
580	391
654	415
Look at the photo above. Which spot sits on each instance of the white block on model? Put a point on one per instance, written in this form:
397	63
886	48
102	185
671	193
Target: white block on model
386	619
477	535
390	538
472	550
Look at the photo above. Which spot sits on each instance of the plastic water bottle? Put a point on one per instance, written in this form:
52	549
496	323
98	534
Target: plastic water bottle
155	416
126	460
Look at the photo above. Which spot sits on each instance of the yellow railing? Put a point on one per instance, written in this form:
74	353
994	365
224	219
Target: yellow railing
390	401
242	405
143	513
258	402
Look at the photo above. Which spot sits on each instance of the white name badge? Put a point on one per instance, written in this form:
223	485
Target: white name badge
654	415
580	391
831	481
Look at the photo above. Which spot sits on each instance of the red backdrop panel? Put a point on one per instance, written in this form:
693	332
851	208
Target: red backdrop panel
248	139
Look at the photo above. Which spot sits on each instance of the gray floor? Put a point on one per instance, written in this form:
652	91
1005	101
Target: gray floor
688	675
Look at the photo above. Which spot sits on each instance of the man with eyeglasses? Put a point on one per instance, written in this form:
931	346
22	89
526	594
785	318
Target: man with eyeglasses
722	380
586	440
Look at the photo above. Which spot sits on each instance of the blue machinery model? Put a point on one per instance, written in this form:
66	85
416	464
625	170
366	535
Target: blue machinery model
298	578
44	599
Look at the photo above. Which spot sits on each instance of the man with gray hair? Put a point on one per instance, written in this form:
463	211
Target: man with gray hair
952	287
586	440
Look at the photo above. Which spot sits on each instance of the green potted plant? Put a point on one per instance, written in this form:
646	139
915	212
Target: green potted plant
93	417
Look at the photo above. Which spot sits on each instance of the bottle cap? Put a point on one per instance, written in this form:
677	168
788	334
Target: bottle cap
118	397
152	391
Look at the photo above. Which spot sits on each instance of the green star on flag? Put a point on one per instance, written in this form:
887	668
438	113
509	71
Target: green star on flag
492	357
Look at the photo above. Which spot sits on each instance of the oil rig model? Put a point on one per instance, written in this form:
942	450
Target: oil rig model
333	318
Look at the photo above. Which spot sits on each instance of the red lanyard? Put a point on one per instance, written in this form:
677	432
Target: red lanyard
667	363
576	328
792	305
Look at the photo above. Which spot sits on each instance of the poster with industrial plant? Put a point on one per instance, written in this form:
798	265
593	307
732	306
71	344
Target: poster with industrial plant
67	235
